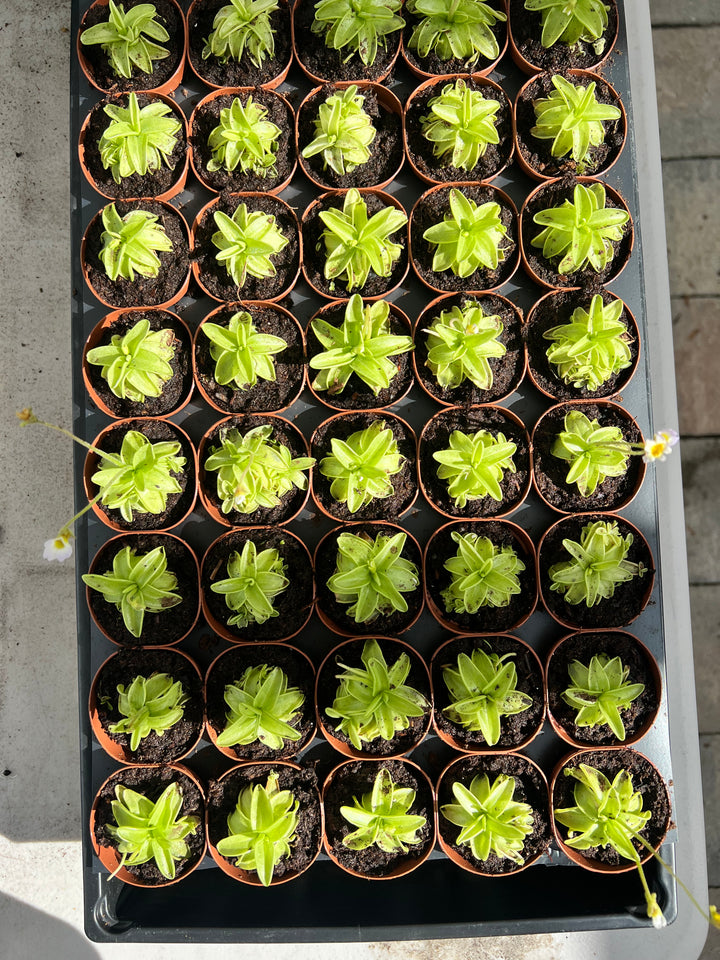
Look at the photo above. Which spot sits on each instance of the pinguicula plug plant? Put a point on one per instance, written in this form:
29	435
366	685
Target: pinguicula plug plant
343	132
137	583
241	353
455	29
362	466
371	575
247	242
242	27
138	139
357	27
460	342
254	580
571	22
382	817
483	574
593	452
130	244
474	465
262	706
460	124
151	704
362	345
469	237
600	691
136	365
129	39
244	138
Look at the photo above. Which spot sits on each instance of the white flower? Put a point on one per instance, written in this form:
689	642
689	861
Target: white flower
655	913
660	446
60	548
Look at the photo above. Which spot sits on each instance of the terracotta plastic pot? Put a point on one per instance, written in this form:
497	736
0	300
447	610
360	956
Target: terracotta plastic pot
165	87
334	822
250	773
482	280
92	268
496	619
553	310
291	619
565	498
227	399
326	686
127	408
237	181
185	567
238	659
165	774
530	787
425	165
117	750
312	229
526	144
552	193
530	681
186	500
389	106
327	608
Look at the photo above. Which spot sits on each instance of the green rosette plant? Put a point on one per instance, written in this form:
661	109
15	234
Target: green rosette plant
241	353
455	29
129	38
138	139
460	124
571	22
598	564
151	704
136	365
262	707
593	452
361	345
373	702
572	118
483	690
357	27
382	817
145	831
343	132
468	238
244	138
253	470
361	467
460	343
581	232
474	465
599	691
242	27
130	244
247	242
262	828
254	579
356	243
372	575
482	575
137	584
491	821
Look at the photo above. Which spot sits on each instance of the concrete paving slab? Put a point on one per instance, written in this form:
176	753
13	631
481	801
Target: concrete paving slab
705	611
696	338
689	11
701	481
710	762
693	232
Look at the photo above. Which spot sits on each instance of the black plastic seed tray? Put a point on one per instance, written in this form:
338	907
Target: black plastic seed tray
438	900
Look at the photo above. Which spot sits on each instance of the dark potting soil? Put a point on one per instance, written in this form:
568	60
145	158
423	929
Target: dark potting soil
488	619
350	656
293	604
169	16
646	780
386	150
122	669
314	250
177	504
556	311
496	155
357	395
158	628
553	194
321	61
507	371
629	598
326	566
430	210
213	274
230	668
266	395
436	436
583	647
353	781
404	482
530	788
151	781
236	73
283	432
222	800
517	729
550	471
538	153
207	118
433	63
526	30
174	390
149	184
142	291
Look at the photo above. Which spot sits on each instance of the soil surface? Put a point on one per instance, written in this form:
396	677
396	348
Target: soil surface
526	30
433	63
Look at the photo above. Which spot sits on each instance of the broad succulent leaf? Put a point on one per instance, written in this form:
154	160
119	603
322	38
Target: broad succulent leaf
571	21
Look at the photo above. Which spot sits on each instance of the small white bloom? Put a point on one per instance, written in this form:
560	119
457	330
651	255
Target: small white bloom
655	913
60	548
660	446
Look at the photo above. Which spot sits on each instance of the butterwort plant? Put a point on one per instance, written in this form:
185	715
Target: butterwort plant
460	343
343	132
383	817
600	691
241	353
247	243
138	140
571	21
132	39
489	817
469	236
244	138
153	704
460	124
455	29
242	27
137	364
482	574
362	466
131	243
357	27
262	707
254	579
474	465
